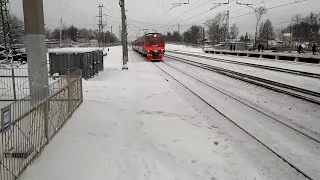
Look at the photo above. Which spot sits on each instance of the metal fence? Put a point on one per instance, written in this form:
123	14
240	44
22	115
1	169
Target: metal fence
28	125
14	82
90	61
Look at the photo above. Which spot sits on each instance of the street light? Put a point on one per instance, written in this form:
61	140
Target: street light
259	12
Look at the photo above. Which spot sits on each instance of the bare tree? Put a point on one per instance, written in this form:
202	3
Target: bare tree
260	11
176	36
296	18
305	29
48	33
267	32
234	31
193	34
217	30
72	33
278	34
17	29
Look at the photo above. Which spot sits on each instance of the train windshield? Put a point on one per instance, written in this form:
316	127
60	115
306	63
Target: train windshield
154	41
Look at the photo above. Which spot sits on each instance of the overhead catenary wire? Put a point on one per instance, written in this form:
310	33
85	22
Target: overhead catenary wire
155	8
287	4
209	17
181	14
64	10
274	7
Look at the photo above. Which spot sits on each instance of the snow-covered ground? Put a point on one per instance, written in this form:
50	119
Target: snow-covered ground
312	84
135	125
299	66
299	150
293	111
175	47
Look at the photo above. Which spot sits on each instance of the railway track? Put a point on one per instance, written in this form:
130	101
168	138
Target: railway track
304	94
284	70
241	127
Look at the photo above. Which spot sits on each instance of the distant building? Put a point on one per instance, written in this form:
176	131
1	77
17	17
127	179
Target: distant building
82	39
94	43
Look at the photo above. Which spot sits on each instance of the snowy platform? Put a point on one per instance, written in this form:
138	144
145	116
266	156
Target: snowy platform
134	125
293	57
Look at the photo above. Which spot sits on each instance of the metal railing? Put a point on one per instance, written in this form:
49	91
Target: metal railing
14	82
28	125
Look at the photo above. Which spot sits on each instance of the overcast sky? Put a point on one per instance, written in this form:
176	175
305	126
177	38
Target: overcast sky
159	14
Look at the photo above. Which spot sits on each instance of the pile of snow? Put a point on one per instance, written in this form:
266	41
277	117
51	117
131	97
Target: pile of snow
74	50
174	47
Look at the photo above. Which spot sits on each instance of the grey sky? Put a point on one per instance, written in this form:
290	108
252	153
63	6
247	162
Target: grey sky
153	11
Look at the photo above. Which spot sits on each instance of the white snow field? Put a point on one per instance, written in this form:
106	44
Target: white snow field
135	124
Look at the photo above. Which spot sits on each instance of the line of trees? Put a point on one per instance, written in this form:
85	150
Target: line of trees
71	33
304	29
17	30
74	33
217	31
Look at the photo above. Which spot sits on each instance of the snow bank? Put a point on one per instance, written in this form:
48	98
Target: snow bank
175	47
73	50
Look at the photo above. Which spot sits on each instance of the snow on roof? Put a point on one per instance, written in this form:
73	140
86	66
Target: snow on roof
73	50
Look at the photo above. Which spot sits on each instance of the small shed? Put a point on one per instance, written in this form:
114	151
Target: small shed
90	60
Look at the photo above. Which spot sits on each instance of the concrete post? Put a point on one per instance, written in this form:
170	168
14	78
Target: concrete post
36	48
124	35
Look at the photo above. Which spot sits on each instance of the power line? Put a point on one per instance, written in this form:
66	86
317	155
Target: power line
165	12
110	9
182	13
61	8
155	8
209	17
274	7
242	9
131	20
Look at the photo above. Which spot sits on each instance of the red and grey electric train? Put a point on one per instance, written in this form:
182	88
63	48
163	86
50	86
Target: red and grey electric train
151	45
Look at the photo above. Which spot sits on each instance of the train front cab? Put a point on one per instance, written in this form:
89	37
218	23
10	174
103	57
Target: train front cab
155	47
154	55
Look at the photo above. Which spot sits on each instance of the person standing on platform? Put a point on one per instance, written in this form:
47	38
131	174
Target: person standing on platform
300	49
314	47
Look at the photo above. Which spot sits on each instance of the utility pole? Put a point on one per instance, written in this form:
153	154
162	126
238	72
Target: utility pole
203	38
94	23
111	40
124	35
120	38
100	25
179	28
227	25
36	49
6	27
60	31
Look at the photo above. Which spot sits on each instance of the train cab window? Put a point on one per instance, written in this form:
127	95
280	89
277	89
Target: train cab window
154	41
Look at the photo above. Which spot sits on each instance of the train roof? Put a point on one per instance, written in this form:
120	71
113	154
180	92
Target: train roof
148	35
152	34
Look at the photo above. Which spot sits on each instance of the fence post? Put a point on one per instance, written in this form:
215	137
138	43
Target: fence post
13	84
69	91
46	120
81	89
